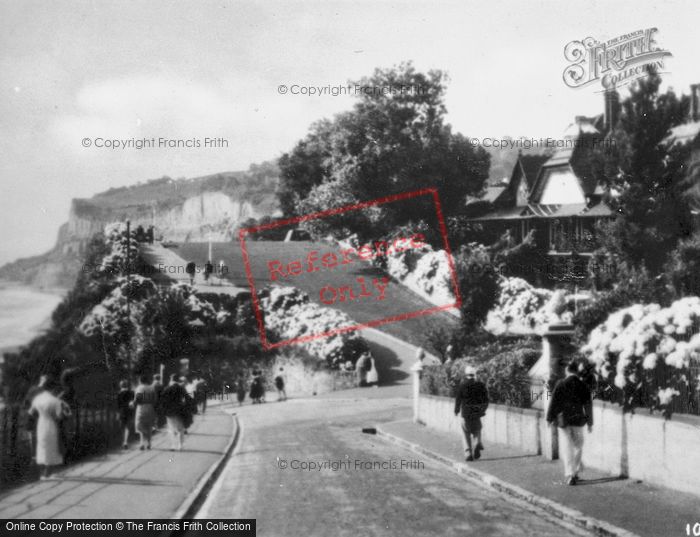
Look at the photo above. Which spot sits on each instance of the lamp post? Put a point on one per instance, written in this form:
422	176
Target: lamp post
209	257
416	370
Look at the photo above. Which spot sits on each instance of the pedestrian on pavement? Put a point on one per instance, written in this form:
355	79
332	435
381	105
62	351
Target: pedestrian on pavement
190	405
256	388
68	426
42	385
240	389
145	400
191	389
222	270
372	374
279	384
158	387
361	370
126	413
49	411
200	394
190	269
571	408
175	410
472	398
208	269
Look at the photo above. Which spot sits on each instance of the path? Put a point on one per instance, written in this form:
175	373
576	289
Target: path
645	510
399	299
169	266
126	484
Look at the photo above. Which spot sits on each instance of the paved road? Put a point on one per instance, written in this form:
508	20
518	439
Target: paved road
423	498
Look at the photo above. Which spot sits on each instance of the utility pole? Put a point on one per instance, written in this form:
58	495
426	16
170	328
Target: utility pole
153	222
128	298
209	258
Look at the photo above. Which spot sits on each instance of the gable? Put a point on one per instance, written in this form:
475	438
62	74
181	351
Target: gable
561	187
522	190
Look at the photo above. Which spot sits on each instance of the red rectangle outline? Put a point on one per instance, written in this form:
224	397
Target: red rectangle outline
339	210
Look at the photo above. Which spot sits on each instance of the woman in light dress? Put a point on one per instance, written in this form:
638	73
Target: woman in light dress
50	410
372	374
145	399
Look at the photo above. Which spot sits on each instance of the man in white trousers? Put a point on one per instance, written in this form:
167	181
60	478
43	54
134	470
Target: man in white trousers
571	408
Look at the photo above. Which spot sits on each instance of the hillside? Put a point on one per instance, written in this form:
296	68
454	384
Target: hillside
182	210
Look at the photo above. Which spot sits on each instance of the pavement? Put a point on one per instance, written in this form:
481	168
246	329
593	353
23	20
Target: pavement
170	267
156	483
600	503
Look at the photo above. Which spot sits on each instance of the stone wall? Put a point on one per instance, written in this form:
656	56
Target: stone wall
639	446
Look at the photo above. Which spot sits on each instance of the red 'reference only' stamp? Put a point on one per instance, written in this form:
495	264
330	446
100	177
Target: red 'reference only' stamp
341	276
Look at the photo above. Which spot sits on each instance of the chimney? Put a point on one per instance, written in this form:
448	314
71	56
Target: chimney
695	102
612	109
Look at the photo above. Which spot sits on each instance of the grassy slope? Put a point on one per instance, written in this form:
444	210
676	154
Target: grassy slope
399	300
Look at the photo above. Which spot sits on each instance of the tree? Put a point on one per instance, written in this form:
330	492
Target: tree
394	140
306	166
478	284
645	177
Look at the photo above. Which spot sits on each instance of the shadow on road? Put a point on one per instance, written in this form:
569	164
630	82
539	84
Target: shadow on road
116	480
598	481
387	362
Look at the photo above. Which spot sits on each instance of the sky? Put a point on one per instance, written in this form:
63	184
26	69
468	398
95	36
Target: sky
191	70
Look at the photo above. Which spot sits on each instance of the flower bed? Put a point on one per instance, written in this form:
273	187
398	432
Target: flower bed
290	314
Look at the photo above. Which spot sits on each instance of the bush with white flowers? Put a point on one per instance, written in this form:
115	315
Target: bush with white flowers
521	308
290	314
524	309
637	341
115	238
424	271
137	313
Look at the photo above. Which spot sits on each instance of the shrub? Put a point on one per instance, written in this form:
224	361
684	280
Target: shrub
683	267
478	283
502	365
290	315
648	352
634	286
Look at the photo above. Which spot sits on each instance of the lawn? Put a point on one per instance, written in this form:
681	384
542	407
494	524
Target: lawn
398	300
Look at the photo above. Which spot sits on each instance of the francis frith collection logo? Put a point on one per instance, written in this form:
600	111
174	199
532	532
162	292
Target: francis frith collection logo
614	62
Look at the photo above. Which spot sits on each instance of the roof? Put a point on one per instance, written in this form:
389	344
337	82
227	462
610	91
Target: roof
580	210
588	127
511	213
538	210
492	193
531	165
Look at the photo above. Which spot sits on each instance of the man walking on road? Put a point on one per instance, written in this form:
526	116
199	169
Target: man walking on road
571	409
472	398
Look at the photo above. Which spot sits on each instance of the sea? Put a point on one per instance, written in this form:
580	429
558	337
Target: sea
24	313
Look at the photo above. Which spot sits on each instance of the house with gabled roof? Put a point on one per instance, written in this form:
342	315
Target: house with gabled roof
554	196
